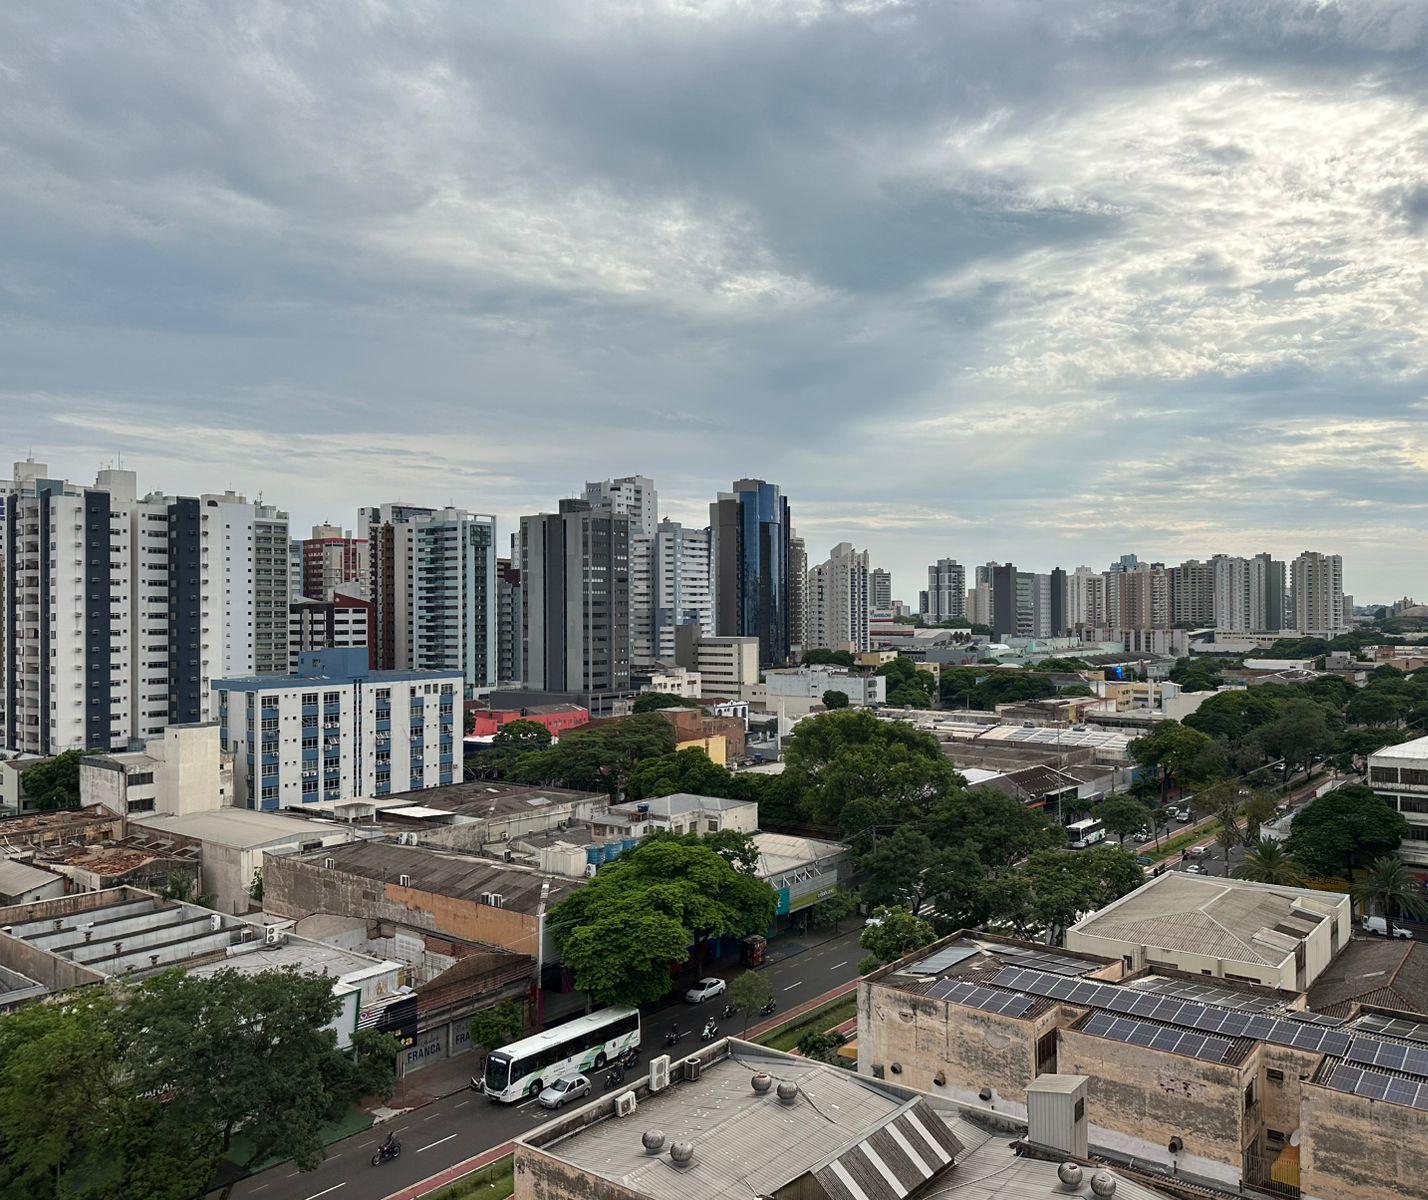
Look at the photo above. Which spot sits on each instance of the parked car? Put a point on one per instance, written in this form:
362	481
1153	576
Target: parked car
706	989
1145	860
1197	851
572	1087
1379	926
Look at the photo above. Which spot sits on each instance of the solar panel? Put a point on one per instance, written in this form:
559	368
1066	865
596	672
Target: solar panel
1394	1055
1041	960
935	964
1205	994
1140	1033
975	996
1413	1031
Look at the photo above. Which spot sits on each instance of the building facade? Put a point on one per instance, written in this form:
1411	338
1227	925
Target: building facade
331	558
343	620
575	604
679	586
632	496
750	531
1317	587
838	601
453	588
508	621
946	591
336	729
388	532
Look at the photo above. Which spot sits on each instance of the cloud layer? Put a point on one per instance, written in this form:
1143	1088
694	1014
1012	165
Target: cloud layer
1050	281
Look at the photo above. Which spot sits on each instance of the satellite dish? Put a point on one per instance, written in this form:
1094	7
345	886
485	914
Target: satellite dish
1294	1138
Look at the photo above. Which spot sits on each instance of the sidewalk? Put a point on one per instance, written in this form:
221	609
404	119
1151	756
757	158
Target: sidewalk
452	1173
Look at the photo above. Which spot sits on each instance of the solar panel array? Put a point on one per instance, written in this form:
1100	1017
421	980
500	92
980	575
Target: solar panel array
1206	1019
975	996
948	956
1158	1037
1411	1059
1040	960
1413	1031
1204	994
1378	1086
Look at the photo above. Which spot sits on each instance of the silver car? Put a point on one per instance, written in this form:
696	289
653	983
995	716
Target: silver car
572	1087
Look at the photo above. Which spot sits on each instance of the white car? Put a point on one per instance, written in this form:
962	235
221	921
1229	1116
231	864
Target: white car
706	989
1194	869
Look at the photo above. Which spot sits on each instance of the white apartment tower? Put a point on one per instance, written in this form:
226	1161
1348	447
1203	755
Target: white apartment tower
946	590
880	589
1317	587
1234	594
452	584
679	585
838	601
118	611
633	496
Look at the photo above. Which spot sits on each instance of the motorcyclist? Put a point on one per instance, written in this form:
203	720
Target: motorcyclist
386	1146
709	1028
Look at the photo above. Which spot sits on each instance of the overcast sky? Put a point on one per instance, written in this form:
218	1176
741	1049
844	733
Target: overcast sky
1051	282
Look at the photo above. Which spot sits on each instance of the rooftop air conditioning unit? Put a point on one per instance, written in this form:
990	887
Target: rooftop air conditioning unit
659	1073
273	936
625	1104
590	869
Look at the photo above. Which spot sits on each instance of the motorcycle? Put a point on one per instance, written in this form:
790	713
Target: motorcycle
711	1031
768	1008
727	1011
614	1078
630	1057
389	1149
672	1037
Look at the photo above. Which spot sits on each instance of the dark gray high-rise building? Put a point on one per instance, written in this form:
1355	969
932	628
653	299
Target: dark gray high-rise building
750	533
1004	599
1059	622
508	622
575	603
879	588
946	595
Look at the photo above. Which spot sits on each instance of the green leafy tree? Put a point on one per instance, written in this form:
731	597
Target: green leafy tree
599	758
498	1024
54	782
620	933
999	829
895	870
1388	887
907	685
835	699
1267	861
1123	815
820	1046
1064	886
1175	750
892	933
689	770
1343	830
819	657
1297	735
1375	707
653	701
832	911
749	993
522	734
1259	809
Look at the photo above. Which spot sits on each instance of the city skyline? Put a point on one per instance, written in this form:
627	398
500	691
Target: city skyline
1153	289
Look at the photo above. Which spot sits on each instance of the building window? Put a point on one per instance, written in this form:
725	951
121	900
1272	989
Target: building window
1249	1096
1275	1076
1274	1137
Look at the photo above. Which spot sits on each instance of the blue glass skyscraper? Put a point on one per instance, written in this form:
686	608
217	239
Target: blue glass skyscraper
749	530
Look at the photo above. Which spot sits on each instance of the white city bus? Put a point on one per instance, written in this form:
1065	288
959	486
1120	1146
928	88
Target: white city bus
1081	834
587	1043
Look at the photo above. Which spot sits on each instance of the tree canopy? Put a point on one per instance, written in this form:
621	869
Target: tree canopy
833	698
907	685
890	934
598	757
1343	830
54	782
653	701
621	932
819	657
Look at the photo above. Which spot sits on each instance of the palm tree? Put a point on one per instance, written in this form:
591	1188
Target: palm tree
1388	887
1268	862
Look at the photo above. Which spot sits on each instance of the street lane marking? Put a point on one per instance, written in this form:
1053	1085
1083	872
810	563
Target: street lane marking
835	966
447	1138
791	986
432	1117
324	1191
463	1104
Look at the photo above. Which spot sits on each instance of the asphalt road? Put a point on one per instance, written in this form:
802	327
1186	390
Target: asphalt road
461	1126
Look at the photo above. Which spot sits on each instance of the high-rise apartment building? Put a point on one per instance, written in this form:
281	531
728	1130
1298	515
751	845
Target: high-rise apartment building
880	589
508	622
1086	599
575	603
453	622
946	591
118	611
1059	624
331	558
750	530
344	621
1317	590
679	586
1001	579
838	601
387	529
633	496
797	593
1192	595
1234	594
1267	593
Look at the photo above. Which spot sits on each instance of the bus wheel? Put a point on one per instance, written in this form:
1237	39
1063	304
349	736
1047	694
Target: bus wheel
536	1088
600	1061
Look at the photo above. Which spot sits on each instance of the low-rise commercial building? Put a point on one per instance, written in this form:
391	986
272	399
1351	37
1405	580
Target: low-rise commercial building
728	667
1399	774
557	718
21	882
737	1121
809	684
680	813
1280	937
335	729
1224	1085
481	814
182	770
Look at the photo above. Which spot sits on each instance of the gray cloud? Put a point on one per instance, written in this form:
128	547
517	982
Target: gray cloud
1044	280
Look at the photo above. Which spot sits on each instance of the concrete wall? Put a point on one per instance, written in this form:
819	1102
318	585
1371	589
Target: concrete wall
1354	1148
1141	1098
540	1177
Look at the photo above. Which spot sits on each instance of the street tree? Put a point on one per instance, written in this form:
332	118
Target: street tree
832	911
689	770
1297	735
1388	886
496	1025
1173	749
1123	815
1259	809
621	932
895	869
653	701
54	782
1064	886
750	993
999	829
833	699
1343	830
891	933
1267	861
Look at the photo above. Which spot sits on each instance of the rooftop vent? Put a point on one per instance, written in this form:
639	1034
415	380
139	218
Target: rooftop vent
1103	1183
761	1083
787	1092
1070	1174
652	1140
681	1154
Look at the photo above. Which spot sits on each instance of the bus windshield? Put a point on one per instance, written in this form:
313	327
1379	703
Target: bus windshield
498	1069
